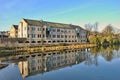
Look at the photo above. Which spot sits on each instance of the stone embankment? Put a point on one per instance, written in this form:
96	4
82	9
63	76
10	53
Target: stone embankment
55	48
45	48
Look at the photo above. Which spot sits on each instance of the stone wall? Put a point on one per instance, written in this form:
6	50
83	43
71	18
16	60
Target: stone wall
12	42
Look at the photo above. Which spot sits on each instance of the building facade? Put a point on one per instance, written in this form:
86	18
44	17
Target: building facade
43	32
4	34
14	31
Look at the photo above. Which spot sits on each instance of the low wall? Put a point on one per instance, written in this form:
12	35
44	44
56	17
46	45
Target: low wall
12	42
21	42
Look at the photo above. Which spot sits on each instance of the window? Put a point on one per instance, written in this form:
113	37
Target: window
65	36
33	35
75	36
33	29
69	36
47	32
43	29
72	36
62	31
20	41
38	29
38	36
62	41
28	36
53	41
33	41
39	41
43	35
54	36
69	31
53	30
49	41
58	30
49	36
58	36
27	42
44	41
61	36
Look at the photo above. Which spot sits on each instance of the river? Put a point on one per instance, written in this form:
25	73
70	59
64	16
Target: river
98	63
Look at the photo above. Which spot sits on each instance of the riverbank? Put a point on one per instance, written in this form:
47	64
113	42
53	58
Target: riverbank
3	65
44	48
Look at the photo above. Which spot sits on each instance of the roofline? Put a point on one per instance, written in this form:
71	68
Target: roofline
49	22
24	19
14	25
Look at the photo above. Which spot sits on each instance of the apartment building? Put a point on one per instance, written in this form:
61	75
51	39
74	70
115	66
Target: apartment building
14	31
44	32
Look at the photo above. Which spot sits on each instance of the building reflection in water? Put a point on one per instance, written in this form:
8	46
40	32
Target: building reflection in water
43	62
23	67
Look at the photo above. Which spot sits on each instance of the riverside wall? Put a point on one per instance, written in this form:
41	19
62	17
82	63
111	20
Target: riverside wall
12	42
20	45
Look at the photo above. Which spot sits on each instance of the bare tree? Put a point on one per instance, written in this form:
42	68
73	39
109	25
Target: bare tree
108	29
96	26
88	27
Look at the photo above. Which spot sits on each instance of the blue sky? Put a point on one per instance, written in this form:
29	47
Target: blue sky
77	12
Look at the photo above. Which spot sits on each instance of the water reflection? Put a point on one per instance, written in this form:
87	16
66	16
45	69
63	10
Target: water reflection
43	62
10	72
84	64
107	52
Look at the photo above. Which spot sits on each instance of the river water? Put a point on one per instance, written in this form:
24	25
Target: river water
99	63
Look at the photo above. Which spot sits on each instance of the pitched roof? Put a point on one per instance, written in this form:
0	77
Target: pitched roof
33	22
15	26
51	24
59	25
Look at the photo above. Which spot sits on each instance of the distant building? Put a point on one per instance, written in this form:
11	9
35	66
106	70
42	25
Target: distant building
43	32
14	31
4	34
